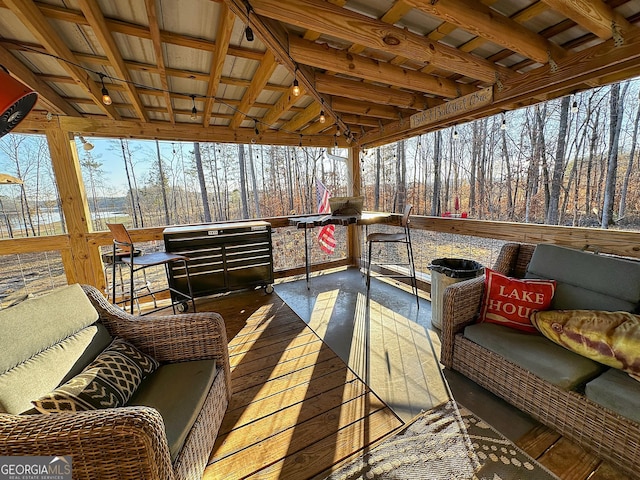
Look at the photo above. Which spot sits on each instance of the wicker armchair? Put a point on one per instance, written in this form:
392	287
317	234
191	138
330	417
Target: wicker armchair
130	442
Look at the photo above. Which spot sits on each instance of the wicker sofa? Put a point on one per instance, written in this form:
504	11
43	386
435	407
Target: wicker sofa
166	430
605	431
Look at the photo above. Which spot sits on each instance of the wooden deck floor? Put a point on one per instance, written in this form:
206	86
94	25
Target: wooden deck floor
298	410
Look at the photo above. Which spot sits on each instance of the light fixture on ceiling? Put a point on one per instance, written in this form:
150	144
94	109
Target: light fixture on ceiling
503	126
194	110
87	146
255	126
106	98
322	118
16	101
248	33
455	131
574	105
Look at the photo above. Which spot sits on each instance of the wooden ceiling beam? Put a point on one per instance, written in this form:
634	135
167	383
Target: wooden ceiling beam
481	20
365	92
312	35
354	107
226	19
283	105
45	92
398	10
578	69
258	82
341	61
594	15
373	33
29	14
93	14
102	127
301	119
154	29
274	36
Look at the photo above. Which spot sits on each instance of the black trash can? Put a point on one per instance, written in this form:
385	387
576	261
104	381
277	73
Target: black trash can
445	272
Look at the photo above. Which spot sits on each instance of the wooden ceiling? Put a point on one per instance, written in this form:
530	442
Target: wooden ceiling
371	66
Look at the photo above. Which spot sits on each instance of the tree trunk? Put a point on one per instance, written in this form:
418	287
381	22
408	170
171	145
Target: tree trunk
558	164
254	184
401	178
376	187
437	155
203	183
627	174
163	186
615	124
243	186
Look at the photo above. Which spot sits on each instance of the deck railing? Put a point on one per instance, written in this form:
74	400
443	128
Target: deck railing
52	259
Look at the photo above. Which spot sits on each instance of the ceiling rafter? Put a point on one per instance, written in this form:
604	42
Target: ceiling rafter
141	31
341	61
45	92
283	105
277	40
154	29
342	87
594	15
301	119
260	79
398	10
93	14
30	16
372	33
489	24
225	27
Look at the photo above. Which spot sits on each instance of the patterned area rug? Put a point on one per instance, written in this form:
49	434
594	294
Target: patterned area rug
448	442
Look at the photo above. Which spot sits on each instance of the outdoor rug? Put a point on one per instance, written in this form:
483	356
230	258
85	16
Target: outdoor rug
448	442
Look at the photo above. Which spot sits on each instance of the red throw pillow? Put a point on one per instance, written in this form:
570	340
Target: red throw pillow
509	301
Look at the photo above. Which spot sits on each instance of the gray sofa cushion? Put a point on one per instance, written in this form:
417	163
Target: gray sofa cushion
536	354
55	365
616	391
587	281
54	316
178	391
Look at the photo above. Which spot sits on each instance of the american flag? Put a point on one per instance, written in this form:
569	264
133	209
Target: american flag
326	238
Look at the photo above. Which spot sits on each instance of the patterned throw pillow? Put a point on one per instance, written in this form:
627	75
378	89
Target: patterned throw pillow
109	381
612	338
510	301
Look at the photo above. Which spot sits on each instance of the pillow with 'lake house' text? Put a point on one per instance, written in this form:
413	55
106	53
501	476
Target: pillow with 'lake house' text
510	301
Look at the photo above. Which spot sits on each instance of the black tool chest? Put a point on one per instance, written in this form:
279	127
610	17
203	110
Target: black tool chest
222	257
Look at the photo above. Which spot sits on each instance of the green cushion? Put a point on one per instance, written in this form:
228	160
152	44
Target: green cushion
107	382
178	391
48	369
616	391
536	354
616	286
53	317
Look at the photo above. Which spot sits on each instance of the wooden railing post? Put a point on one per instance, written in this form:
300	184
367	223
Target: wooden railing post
84	264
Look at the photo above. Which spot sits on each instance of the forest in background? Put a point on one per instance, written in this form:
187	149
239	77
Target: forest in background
570	161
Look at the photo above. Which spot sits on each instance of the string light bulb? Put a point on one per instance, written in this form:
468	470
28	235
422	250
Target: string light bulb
322	118
296	85
574	105
255	127
194	110
87	146
503	126
106	98
455	131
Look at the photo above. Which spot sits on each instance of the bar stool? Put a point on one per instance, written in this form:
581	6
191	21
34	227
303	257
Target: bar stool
401	238
125	253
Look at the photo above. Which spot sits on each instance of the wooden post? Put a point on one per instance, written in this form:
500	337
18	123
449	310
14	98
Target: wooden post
354	232
84	264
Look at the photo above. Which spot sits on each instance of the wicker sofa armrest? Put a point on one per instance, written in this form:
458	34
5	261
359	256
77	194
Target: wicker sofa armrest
117	443
168	338
461	304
